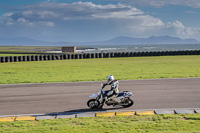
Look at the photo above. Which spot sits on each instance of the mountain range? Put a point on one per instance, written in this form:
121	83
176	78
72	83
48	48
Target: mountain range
122	40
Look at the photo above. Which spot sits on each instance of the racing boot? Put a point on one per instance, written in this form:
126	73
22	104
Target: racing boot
101	104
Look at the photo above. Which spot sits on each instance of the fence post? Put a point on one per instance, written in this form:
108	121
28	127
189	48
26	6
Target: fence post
101	55
11	58
44	57
198	52
127	54
166	52
84	56
57	57
81	56
108	55
146	53
111	55
53	57
41	58
69	56
94	55
76	56
119	54
27	58
161	53
154	53
65	56
2	59
72	56
24	58
97	55
19	58
122	54
89	55
48	57
115	55
61	56
36	58
6	59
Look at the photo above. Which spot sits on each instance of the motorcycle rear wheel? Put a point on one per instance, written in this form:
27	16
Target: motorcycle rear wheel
92	105
130	103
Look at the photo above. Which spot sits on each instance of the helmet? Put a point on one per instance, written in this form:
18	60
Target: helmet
110	78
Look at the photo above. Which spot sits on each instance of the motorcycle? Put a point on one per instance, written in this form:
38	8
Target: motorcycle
122	99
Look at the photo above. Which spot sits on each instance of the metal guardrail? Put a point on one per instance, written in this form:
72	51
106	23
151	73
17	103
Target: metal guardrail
6	59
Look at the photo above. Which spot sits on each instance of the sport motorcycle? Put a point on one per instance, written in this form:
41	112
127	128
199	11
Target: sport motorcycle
97	101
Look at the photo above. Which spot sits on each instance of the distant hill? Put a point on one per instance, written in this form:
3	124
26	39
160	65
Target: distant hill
168	40
150	40
123	40
22	41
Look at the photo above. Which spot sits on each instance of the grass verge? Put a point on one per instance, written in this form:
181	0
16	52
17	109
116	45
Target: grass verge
17	54
119	124
98	69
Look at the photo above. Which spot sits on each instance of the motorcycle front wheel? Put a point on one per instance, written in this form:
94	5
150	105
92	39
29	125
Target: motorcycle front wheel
129	102
93	104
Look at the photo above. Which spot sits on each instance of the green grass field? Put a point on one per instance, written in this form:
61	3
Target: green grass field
183	123
25	50
16	54
98	69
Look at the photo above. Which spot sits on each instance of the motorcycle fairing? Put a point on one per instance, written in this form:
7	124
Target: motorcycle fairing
120	94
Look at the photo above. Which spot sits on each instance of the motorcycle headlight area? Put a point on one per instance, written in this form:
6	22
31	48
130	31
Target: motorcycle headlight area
129	93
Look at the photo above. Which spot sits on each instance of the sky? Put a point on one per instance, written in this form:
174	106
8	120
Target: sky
97	20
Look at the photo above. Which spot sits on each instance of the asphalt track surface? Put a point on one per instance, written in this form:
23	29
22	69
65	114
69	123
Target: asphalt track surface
72	97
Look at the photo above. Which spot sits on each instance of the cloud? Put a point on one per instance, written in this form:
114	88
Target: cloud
181	30
160	3
8	14
191	12
112	19
52	12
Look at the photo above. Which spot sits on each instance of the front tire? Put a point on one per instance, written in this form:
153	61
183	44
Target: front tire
93	104
129	103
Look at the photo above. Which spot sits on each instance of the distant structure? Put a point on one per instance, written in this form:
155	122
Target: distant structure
69	49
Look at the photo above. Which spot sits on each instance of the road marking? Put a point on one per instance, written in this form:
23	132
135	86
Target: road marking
25	118
7	118
105	114
125	113
145	113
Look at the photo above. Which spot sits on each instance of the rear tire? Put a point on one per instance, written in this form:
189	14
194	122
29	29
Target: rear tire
92	105
130	103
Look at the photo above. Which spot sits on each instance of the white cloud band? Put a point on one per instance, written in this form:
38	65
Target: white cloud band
125	17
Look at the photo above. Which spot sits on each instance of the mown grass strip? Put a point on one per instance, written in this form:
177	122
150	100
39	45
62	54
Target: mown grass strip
118	124
98	69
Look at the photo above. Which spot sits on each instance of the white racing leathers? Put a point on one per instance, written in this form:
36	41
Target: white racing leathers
114	88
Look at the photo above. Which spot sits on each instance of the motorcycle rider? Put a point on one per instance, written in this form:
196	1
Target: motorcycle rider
114	87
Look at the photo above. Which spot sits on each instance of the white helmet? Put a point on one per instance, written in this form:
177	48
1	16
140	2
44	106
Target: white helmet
110	78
